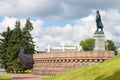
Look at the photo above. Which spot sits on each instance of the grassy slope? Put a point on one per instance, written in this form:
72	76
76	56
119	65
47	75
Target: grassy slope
108	70
4	78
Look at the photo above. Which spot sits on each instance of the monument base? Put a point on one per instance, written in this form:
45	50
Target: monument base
99	41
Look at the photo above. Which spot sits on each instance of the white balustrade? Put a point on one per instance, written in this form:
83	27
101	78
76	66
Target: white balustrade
64	48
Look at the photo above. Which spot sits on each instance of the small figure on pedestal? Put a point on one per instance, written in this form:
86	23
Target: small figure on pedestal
99	22
99	35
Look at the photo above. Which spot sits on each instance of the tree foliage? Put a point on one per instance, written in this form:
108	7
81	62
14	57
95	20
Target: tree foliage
111	46
88	44
3	47
9	44
27	41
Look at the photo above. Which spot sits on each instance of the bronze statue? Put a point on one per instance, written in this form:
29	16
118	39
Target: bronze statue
25	59
99	22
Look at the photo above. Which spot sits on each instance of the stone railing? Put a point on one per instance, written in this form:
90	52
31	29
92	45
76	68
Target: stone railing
81	54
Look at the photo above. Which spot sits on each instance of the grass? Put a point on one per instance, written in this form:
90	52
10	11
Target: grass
8	78
26	71
4	78
108	70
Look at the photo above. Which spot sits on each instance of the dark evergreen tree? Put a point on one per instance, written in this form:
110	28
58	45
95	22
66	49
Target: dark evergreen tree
13	43
9	44
3	47
27	40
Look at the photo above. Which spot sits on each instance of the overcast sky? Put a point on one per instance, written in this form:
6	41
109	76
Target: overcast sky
58	22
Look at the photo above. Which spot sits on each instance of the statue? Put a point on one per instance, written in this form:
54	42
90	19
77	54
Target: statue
25	59
99	22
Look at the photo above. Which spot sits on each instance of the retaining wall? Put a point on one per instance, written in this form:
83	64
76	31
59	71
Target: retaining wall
57	62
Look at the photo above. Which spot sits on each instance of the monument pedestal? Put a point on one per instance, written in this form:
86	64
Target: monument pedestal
99	41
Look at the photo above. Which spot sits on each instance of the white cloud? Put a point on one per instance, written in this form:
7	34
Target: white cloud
7	22
83	28
38	28
70	34
54	9
10	22
5	5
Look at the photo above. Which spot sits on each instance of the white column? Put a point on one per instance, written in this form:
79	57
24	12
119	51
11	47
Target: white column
78	47
48	48
63	47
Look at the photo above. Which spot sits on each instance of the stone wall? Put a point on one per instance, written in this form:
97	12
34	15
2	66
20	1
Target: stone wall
55	63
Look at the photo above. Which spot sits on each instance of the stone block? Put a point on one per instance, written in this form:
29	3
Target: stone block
99	42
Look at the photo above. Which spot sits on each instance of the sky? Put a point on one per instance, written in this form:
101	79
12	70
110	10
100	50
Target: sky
58	22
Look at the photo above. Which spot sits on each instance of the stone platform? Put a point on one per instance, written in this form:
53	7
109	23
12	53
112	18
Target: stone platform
54	63
99	41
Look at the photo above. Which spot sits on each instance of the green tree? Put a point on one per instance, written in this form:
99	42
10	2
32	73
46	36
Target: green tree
3	47
9	44
27	40
12	53
88	44
111	46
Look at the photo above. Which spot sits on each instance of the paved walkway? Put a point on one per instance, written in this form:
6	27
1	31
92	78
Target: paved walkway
24	76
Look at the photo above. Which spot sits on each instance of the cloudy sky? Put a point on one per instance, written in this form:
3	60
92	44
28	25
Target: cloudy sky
58	22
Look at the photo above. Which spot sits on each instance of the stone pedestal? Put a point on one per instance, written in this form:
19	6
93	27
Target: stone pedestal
99	41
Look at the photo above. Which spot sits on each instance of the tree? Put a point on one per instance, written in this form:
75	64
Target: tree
3	47
111	46
88	44
14	41
27	40
9	44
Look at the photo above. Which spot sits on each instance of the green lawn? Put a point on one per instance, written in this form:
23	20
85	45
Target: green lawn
108	70
4	78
